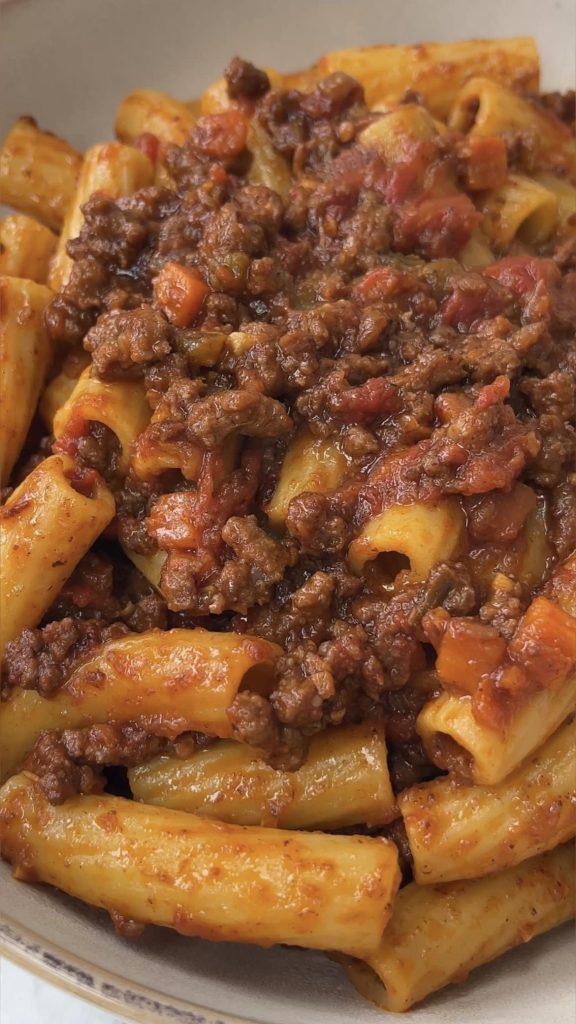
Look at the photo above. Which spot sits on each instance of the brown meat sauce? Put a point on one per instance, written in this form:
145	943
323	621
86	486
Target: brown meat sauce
341	309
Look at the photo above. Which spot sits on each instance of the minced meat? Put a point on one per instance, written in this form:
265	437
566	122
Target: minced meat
337	311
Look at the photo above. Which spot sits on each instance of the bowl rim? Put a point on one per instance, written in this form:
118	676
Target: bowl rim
46	960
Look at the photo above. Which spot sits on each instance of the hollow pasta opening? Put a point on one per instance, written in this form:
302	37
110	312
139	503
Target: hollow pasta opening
447	754
382	570
259	679
369	983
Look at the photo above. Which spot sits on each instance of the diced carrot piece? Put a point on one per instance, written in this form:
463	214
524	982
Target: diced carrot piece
544	644
180	292
514	680
468	651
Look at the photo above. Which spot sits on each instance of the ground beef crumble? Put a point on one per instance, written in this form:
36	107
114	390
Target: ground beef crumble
338	310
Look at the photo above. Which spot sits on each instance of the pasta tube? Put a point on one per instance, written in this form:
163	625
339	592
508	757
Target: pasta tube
24	358
121	406
435	70
392	134
438	934
152	455
25	248
149	565
55	395
166	682
147	110
310	464
111	169
268	167
343	782
215	98
462	831
46	527
486	107
534	547
203	878
425	534
492	753
38	172
476	254
521	208
564	192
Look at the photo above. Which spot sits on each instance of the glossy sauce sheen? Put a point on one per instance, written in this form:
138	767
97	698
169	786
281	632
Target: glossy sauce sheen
327	324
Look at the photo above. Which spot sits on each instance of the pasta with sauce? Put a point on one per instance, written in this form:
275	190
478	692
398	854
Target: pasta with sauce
288	586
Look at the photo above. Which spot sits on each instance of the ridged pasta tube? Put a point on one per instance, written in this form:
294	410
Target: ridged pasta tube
46	527
439	933
167	682
456	830
201	877
24	358
344	781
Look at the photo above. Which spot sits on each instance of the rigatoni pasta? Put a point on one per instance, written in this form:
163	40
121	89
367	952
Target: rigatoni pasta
424	534
487	107
26	248
489	755
440	933
25	353
546	636
310	464
56	395
343	781
457	830
436	70
110	169
169	682
522	208
287	523
326	892
120	407
156	113
46	526
38	172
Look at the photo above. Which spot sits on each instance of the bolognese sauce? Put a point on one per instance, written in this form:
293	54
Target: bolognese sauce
346	308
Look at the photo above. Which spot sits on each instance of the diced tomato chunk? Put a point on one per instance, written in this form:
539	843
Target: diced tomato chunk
494	393
148	144
383	283
499	516
522	274
376	397
221	136
473	299
436	228
484	162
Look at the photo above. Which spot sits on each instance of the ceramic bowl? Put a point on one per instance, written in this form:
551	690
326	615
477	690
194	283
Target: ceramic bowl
68	62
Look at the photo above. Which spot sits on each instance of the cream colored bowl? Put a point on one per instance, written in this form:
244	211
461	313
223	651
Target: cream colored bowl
68	62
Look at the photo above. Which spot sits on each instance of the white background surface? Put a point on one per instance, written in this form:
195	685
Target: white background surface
25	1000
